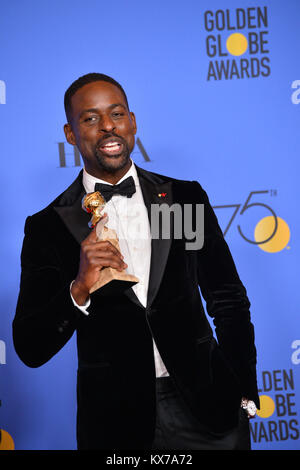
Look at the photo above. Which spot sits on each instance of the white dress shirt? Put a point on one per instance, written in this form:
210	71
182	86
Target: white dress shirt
129	218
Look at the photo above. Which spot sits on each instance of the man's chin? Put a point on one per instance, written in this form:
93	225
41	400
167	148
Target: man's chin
112	163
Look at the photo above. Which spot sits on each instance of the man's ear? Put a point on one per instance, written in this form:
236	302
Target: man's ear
69	134
133	121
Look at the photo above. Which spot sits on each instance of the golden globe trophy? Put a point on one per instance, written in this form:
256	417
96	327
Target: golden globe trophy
110	280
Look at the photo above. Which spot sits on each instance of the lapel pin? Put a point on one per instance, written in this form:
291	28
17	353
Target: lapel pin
162	194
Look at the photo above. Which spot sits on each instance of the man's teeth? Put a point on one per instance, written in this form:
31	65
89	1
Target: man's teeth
111	144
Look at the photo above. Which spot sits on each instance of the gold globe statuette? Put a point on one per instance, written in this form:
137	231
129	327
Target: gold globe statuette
110	280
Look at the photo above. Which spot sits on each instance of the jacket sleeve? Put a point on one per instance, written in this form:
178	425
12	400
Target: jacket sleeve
226	301
45	316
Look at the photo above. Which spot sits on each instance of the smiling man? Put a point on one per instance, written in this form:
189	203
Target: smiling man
150	372
106	154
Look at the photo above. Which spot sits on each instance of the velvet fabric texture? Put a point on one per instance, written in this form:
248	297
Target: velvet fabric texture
116	372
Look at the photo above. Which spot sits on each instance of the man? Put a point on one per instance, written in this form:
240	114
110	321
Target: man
150	373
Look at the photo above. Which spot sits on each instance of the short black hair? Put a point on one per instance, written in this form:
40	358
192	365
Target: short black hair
84	80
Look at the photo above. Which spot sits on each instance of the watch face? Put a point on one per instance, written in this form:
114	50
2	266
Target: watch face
251	408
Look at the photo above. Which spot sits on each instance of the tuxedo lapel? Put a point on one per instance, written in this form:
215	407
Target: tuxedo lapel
68	207
156	192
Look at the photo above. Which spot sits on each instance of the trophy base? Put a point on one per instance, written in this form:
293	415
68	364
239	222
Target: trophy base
112	282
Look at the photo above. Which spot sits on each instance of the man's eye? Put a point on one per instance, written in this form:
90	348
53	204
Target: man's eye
90	119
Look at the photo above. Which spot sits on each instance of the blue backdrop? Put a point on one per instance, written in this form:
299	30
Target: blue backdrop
215	86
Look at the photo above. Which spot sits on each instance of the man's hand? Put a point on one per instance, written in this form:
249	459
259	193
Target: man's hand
94	256
249	407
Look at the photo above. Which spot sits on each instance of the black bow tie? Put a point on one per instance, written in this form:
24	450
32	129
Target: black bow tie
126	188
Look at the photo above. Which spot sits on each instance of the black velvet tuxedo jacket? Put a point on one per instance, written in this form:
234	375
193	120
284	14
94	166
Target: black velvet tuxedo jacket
116	372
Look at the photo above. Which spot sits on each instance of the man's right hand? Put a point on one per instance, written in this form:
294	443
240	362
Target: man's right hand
94	255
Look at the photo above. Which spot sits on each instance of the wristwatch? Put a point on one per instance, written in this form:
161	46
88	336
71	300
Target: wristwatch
249	406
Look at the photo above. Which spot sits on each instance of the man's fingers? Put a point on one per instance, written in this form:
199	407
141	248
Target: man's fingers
107	246
109	262
98	253
91	241
100	247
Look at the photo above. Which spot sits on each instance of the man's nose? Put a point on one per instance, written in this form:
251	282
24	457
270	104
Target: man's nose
107	124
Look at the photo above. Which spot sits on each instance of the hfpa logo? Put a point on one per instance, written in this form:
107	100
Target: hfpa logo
2	92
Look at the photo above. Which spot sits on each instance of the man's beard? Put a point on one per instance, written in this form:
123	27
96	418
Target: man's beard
106	162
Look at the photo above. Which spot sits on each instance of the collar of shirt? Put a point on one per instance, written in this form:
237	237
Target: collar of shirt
89	181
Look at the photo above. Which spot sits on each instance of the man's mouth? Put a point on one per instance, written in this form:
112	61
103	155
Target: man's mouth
112	147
